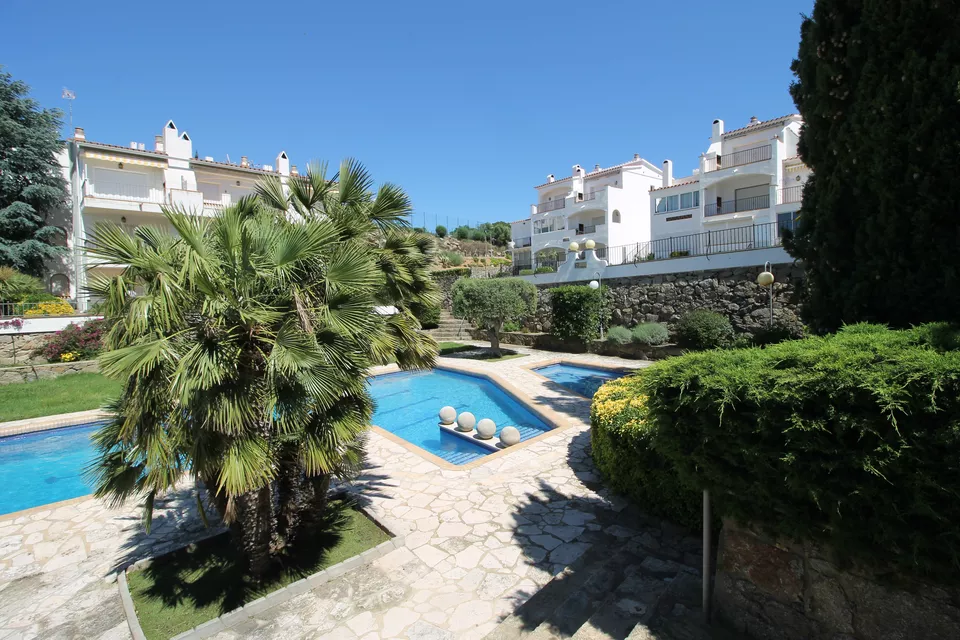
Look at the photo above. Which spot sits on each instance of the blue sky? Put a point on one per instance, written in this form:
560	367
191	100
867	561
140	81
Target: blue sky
466	105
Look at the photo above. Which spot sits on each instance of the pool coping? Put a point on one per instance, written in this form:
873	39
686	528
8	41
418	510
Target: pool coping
555	420
45	423
532	368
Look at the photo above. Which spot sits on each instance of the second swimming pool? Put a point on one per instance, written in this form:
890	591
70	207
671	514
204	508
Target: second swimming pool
579	379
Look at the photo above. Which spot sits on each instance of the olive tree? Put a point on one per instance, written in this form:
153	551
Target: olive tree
489	303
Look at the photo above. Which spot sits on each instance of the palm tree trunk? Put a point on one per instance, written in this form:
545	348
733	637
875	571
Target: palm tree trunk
253	527
294	493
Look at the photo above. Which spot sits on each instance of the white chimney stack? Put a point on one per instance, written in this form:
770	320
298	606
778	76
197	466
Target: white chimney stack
244	161
754	120
577	170
551	178
158	143
668	173
78	133
596	167
636	157
133	145
283	164
717	130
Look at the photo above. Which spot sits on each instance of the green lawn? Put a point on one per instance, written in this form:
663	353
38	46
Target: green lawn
73	392
190	586
451	348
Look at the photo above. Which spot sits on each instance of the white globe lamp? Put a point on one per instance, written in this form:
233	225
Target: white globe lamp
448	415
594	284
509	436
486	428
590	244
574	246
465	422
765	279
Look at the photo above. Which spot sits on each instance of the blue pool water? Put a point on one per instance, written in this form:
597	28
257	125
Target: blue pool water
582	380
408	403
44	467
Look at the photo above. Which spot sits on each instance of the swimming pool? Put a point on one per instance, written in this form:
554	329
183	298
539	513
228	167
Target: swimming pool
408	403
45	466
582	380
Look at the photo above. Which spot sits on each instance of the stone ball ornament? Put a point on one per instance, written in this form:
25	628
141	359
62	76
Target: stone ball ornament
486	428
574	246
590	244
509	436
465	421
765	279
448	415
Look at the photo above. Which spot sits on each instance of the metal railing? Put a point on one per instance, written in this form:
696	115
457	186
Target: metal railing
552	205
790	194
585	229
120	191
521	242
735	206
739	158
590	196
756	236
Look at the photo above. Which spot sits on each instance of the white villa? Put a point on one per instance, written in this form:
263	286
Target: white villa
609	206
748	176
128	185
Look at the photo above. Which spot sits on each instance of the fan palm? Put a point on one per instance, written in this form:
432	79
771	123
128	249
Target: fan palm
244	357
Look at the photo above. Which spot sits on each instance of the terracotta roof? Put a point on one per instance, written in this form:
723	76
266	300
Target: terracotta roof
117	147
676	184
519	221
594	174
199	161
230	165
757	126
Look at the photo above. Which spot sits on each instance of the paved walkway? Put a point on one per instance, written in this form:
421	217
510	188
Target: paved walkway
479	541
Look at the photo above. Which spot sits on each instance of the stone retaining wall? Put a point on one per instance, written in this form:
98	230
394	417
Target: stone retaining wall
664	298
18	348
549	342
778	590
11	375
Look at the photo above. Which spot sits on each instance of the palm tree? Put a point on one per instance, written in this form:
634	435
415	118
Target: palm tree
244	358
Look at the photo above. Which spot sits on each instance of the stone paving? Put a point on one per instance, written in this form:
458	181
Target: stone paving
479	542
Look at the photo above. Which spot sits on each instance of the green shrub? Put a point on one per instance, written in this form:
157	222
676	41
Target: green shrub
428	315
575	312
441	231
702	329
776	333
511	326
526	272
851	440
650	333
490	303
75	342
619	335
460	272
546	270
623	450
679	254
451	258
16	286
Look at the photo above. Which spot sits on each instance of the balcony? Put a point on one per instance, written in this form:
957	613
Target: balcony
737	206
552	205
519	243
787	195
740	158
120	191
586	229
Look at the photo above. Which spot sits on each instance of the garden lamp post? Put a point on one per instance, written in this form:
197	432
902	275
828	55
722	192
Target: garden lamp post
765	279
596	284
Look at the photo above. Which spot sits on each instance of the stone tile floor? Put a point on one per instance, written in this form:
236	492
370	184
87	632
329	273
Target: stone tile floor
479	542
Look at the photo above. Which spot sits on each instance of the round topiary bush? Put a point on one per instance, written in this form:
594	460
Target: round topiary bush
703	329
619	335
650	333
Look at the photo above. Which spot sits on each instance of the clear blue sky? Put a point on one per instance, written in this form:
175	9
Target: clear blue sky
466	105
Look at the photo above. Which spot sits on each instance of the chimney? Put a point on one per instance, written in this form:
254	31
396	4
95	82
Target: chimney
754	120
577	170
141	146
158	143
636	157
551	178
244	161
78	133
293	171
133	145
283	164
596	167
717	130
668	173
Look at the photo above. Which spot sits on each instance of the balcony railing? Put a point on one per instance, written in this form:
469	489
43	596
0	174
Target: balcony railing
582	230
739	158
790	194
120	191
736	206
589	196
552	205
521	242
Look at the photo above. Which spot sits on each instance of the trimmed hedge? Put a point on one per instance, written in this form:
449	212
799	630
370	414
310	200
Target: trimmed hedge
428	315
703	329
851	440
651	333
463	272
575	312
619	335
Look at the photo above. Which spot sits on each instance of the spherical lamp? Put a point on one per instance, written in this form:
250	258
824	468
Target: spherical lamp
765	279
486	428
509	436
590	244
448	415
594	284
465	422
574	246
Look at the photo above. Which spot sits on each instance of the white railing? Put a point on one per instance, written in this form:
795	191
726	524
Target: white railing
121	191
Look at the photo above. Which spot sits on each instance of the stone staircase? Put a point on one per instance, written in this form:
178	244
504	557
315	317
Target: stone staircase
617	590
450	329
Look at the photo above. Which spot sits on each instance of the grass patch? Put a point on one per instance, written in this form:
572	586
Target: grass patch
72	392
191	586
482	353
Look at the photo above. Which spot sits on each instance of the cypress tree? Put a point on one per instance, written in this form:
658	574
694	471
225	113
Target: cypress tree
878	85
31	183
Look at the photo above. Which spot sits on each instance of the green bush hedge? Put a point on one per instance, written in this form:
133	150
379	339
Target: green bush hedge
702	329
575	312
463	272
651	333
428	315
852	440
546	270
619	335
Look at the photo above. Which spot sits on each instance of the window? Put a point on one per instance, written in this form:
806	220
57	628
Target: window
787	220
687	200
690	200
616	216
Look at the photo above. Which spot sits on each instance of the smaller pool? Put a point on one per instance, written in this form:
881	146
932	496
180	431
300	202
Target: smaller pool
579	379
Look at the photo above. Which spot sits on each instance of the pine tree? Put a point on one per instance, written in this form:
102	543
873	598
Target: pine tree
879	231
31	184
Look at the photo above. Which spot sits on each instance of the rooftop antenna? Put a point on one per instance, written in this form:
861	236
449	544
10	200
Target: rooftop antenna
228	159
71	96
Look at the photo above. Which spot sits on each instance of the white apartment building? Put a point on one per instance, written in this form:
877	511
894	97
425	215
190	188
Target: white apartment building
610	206
128	185
748	186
